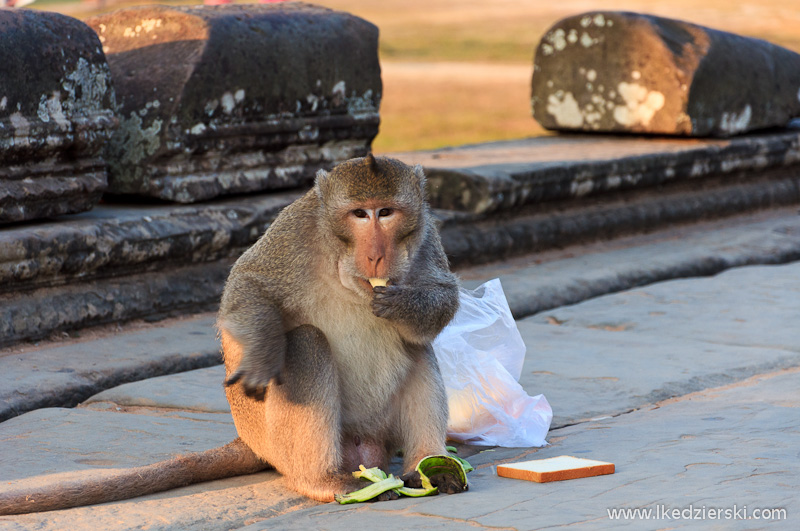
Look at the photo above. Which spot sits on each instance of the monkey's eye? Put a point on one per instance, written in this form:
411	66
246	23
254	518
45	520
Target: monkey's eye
385	212
359	213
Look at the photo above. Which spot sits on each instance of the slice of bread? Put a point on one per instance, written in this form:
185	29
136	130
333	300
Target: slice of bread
555	469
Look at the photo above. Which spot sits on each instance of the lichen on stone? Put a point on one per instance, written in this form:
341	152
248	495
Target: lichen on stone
732	122
133	143
640	104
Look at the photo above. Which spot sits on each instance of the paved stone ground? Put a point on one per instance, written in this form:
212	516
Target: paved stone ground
688	385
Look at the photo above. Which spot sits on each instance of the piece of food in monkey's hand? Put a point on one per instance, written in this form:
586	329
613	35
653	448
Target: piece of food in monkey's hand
378	281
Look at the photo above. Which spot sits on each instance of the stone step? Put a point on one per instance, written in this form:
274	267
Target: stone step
128	261
616	370
501	175
36	376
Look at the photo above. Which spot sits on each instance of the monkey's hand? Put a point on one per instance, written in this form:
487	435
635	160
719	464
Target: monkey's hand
254	346
420	310
255	377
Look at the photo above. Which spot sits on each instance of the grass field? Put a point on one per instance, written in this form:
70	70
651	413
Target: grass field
458	71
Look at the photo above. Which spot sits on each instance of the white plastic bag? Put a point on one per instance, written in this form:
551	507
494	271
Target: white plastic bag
480	354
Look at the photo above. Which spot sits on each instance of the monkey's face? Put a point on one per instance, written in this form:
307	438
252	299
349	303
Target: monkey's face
375	208
378	236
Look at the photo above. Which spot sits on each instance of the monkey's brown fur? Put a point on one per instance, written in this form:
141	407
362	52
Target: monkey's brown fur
324	373
359	379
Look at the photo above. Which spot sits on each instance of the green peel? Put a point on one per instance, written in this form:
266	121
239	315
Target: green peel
428	466
442	464
370	491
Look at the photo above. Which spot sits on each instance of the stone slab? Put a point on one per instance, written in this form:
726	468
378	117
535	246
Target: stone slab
719	448
744	307
501	175
38	377
65	375
56	440
627	72
535	229
198	390
117	238
64	444
123	262
537	283
624	371
716	448
52	124
220	100
213	506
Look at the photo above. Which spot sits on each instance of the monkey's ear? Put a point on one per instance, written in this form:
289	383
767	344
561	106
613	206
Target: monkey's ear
371	162
319	182
420	174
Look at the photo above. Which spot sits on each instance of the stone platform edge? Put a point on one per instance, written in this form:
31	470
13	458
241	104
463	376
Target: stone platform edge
122	262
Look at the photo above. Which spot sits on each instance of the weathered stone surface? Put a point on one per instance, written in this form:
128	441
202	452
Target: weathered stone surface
198	390
743	307
718	447
539	284
35	377
628	72
63	375
189	432
118	263
115	239
502	175
700	332
124	262
56	112
236	98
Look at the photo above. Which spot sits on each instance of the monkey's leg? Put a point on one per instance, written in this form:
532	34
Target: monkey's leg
303	427
422	421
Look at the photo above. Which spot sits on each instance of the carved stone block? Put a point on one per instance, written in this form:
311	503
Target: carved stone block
230	99
56	112
626	72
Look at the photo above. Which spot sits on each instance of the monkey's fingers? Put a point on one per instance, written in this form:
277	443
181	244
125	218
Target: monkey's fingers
412	479
235	377
384	302
239	374
389	495
449	483
255	391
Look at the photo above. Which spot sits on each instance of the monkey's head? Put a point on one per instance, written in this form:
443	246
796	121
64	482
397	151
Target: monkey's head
376	208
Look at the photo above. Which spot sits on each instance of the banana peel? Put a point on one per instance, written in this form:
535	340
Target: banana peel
433	465
371	491
427	467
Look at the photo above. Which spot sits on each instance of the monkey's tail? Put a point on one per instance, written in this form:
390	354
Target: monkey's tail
233	459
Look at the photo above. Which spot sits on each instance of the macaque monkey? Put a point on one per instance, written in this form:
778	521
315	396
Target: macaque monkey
326	326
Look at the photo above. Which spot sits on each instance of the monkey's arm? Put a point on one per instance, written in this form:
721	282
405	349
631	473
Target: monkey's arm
426	300
253	321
